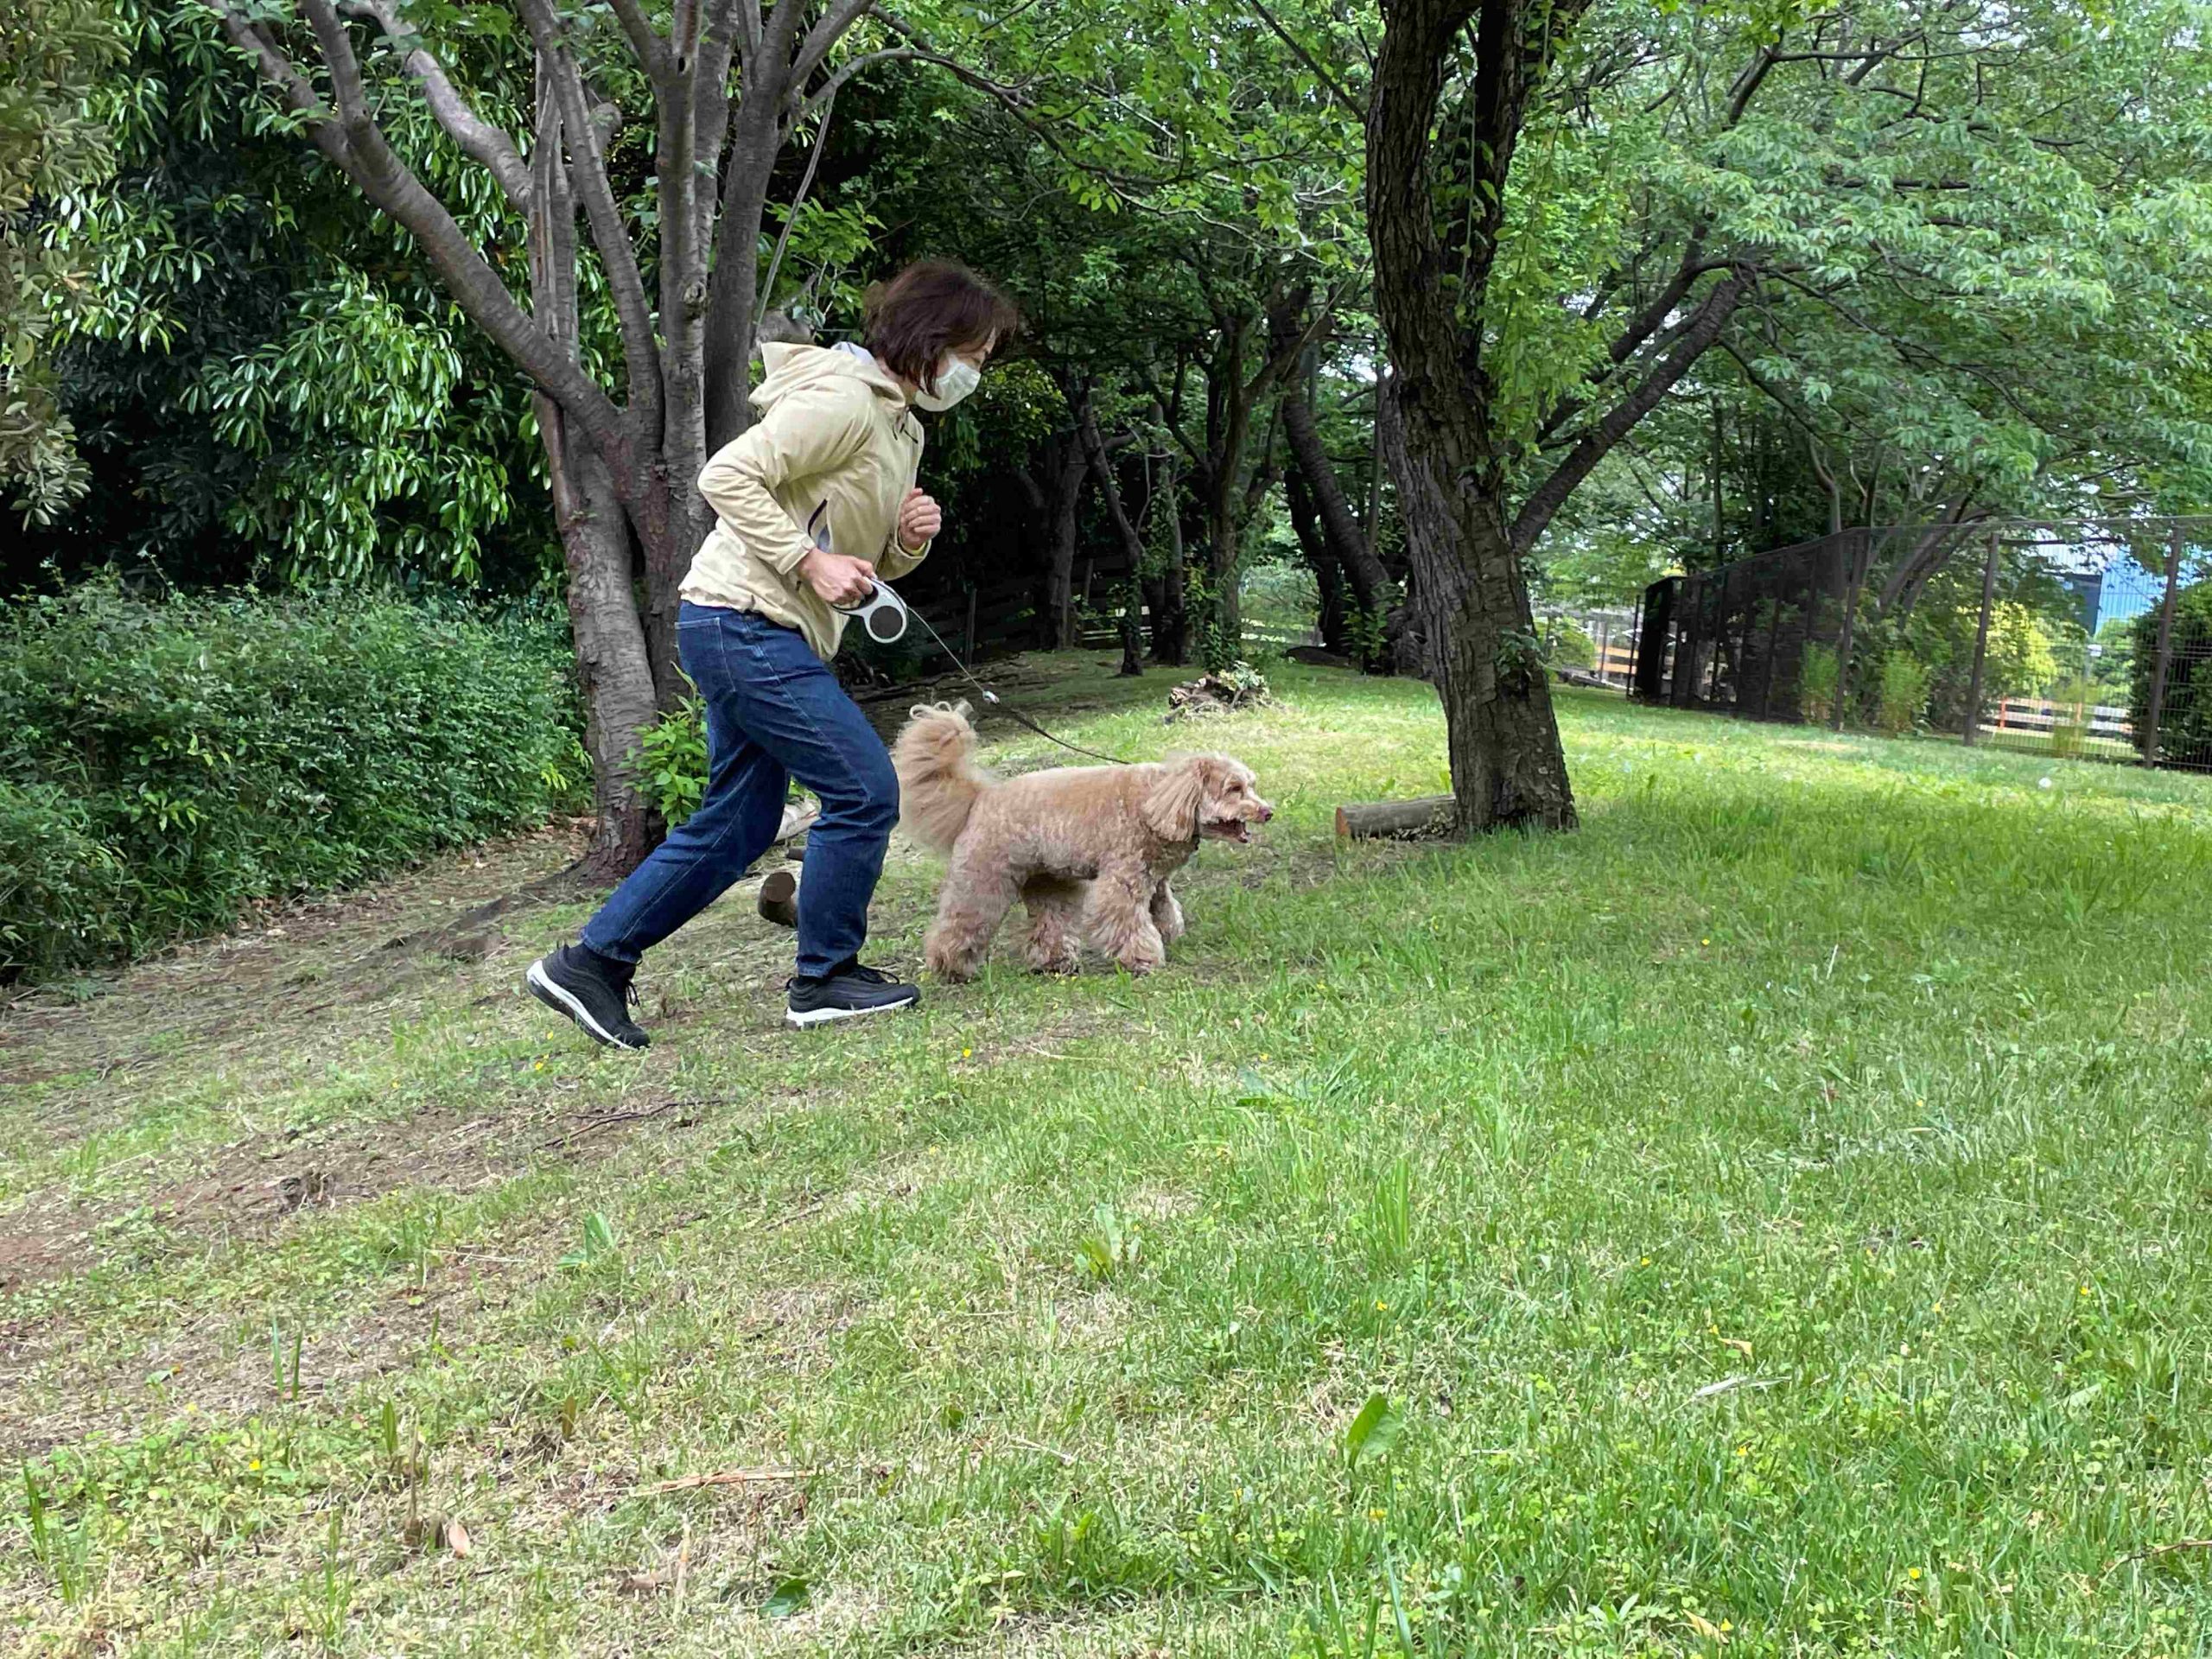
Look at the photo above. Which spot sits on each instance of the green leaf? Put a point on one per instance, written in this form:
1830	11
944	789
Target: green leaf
599	1243
1372	1433
788	1600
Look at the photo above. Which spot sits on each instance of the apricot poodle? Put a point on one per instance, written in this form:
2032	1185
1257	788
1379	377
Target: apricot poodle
1087	849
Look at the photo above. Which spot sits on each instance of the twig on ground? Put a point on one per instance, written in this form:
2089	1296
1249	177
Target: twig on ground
2169	1549
614	1118
726	1478
1049	1451
1730	1384
799	1214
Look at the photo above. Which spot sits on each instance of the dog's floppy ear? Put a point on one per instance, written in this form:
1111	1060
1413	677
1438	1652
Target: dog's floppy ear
1171	807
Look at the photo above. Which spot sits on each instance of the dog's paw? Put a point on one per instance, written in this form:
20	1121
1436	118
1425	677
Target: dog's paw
952	968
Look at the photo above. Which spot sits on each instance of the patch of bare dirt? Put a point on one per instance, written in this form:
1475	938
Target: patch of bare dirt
208	1373
312	964
248	1190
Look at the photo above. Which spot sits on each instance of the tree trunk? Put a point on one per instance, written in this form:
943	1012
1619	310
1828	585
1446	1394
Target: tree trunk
666	540
734	292
1471	608
1170	621
1404	648
1110	487
1321	557
1227	612
1055	591
1470	600
619	472
612	669
1351	549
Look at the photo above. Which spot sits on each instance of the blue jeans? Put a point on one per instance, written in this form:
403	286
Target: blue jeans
774	711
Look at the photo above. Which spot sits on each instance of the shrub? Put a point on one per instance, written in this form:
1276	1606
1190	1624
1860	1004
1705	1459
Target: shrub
201	753
64	896
1904	692
2073	708
1568	646
672	762
1817	680
2185	716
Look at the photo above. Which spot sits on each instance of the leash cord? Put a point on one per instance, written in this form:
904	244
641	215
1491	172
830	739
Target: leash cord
991	697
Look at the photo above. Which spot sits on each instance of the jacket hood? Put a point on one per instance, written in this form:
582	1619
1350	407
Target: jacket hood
791	368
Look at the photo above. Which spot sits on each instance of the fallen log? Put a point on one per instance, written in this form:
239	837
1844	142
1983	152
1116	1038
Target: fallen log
1430	815
1584	676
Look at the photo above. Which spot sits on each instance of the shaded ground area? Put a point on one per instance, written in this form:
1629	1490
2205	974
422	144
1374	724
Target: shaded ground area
1776	1212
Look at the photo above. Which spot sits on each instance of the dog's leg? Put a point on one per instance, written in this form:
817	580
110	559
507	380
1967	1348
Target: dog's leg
975	900
1117	919
1166	914
1055	918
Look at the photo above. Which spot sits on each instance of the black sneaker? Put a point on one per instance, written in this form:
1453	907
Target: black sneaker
847	993
592	991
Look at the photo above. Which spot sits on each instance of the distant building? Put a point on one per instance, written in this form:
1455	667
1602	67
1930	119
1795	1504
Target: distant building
2109	588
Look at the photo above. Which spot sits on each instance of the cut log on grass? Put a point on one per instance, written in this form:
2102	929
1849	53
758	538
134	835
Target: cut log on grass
779	900
1431	814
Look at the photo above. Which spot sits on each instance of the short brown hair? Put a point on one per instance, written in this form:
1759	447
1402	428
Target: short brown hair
933	307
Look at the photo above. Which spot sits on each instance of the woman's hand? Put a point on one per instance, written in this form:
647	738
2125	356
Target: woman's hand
839	580
919	521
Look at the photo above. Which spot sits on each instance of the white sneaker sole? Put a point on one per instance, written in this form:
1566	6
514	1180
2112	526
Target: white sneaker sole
543	987
793	1017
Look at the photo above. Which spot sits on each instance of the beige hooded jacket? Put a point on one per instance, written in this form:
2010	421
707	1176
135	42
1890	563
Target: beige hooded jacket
836	448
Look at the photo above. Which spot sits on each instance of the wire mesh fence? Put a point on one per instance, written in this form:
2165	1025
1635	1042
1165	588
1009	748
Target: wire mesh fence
1590	645
2087	639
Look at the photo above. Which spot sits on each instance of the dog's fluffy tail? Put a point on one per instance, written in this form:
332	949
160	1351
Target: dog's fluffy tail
938	778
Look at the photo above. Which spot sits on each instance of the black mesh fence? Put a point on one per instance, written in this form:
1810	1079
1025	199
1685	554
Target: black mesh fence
2087	639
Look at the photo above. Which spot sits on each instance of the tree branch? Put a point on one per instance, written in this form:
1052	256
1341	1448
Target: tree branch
345	68
743	15
617	254
1747	83
822	96
1704	328
710	102
798	201
823	38
653	53
479	139
358	148
1170	415
1641	327
769	59
1329	82
1281	362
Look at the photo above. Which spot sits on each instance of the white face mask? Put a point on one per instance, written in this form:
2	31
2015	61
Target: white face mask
956	377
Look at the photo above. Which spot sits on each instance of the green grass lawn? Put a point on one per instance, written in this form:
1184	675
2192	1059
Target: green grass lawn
1777	1219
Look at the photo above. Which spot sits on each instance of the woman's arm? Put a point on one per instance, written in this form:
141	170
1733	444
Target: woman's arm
813	431
913	529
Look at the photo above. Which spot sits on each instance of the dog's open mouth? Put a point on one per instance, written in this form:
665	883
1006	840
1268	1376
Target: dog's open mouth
1228	829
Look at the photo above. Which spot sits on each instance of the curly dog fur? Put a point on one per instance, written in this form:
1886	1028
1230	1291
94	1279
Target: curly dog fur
1087	849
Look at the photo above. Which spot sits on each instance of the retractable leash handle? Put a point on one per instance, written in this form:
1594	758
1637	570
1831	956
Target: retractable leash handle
882	614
